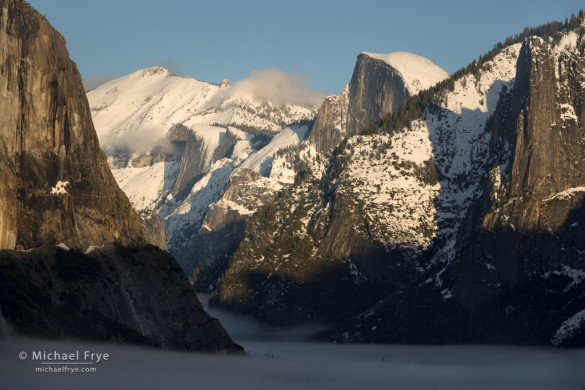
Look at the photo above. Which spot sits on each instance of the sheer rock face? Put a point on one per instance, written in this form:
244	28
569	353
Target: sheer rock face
154	229
330	123
546	169
376	88
531	222
56	184
56	187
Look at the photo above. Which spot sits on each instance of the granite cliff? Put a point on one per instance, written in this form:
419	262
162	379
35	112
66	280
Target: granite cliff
74	261
380	84
57	186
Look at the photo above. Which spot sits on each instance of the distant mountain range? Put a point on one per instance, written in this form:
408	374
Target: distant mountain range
457	217
414	207
204	157
178	146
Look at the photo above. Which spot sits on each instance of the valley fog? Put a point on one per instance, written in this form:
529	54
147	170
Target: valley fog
275	361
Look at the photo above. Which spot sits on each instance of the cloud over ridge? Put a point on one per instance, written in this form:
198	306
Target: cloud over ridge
279	87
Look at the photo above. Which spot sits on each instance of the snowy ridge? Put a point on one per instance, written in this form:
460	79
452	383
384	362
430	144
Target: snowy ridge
261	160
567	194
419	72
134	116
138	110
569	328
392	175
149	99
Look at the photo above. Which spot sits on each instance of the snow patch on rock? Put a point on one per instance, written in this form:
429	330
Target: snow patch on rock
59	188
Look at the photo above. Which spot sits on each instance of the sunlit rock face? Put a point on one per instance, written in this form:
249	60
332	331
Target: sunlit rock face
380	84
61	210
56	184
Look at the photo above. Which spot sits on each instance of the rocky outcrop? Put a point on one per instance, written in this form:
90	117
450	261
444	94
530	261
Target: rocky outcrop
528	222
131	295
379	85
197	159
154	229
57	188
56	184
546	177
193	163
330	124
376	88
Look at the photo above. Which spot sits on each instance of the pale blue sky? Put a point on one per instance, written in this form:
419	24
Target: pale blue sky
213	40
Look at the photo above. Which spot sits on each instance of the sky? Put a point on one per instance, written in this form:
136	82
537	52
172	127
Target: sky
316	40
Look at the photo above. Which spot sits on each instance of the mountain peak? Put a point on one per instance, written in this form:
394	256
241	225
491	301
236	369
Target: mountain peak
155	71
418	72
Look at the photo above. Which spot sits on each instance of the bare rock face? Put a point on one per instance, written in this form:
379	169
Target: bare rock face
154	229
330	123
56	184
530	222
546	175
376	88
57	188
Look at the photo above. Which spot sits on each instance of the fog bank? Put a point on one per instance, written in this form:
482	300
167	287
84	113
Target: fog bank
282	365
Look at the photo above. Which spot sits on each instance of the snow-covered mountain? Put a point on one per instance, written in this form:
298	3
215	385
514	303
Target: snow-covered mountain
419	73
380	84
456	219
182	149
150	101
398	193
173	143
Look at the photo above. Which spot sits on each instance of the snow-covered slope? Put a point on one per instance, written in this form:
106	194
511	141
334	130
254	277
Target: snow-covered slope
418	72
138	110
173	143
468	203
261	160
406	202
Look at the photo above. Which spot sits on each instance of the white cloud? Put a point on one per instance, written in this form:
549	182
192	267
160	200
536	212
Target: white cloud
277	86
144	141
